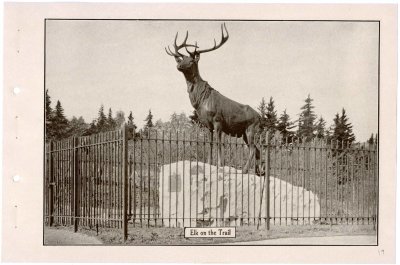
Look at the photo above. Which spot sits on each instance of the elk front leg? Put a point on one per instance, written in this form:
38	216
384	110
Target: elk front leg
211	148
219	151
248	138
218	129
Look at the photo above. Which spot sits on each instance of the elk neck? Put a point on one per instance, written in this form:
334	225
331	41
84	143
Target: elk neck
197	88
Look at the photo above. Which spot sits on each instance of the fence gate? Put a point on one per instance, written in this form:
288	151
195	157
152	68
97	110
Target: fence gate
85	181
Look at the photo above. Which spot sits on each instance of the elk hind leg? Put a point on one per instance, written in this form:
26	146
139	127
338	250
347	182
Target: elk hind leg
247	137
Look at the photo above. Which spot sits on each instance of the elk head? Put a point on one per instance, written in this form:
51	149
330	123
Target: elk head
189	64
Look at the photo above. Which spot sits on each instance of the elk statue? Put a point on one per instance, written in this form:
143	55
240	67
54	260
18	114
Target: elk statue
215	111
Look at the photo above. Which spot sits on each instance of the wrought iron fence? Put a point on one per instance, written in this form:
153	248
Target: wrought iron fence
173	179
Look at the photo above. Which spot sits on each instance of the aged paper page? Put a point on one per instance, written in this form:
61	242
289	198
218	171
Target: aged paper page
282	150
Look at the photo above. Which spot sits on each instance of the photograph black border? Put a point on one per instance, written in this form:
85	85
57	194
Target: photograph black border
236	20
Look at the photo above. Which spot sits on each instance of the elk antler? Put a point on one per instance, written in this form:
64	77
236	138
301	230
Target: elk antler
223	40
178	47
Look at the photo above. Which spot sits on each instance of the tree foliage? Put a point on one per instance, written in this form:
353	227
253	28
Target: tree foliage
306	128
271	120
285	126
77	126
320	128
59	122
342	129
371	139
262	110
130	120
111	124
49	117
176	123
149	121
101	123
119	119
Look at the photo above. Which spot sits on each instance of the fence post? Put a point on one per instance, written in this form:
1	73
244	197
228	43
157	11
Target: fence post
267	178
266	181
75	201
130	136
51	185
125	180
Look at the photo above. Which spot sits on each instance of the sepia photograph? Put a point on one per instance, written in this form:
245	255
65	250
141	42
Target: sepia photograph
211	132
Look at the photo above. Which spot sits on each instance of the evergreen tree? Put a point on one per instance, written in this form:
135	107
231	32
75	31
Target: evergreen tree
60	122
130	120
271	116
149	124
320	128
48	110
371	139
119	119
149	120
262	110
101	125
111	124
49	117
342	128
285	126
306	120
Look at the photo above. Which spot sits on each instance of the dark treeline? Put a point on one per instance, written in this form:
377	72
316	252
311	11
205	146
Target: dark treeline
307	125
59	127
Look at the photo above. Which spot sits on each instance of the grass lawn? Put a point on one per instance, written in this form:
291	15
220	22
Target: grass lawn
175	236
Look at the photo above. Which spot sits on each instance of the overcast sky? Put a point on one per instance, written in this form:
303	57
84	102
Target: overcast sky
123	65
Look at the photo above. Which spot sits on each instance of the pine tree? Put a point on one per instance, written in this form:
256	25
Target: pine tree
149	120
342	128
60	122
130	120
101	125
306	120
262	110
149	124
371	139
285	125
320	128
271	116
49	117
111	124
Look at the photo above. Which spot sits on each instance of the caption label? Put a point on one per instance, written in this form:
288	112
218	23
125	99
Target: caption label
210	232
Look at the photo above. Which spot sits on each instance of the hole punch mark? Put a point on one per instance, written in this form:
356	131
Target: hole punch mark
16	178
16	90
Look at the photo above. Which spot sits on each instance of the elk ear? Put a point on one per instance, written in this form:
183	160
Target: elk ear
197	57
